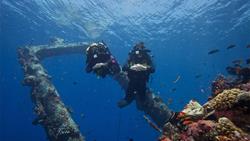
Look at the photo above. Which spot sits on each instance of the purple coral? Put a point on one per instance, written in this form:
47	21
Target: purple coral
200	127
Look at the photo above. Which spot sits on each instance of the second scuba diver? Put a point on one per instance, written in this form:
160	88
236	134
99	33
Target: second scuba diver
100	60
138	67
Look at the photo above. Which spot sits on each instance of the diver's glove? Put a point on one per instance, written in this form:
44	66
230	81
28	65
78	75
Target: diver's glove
139	67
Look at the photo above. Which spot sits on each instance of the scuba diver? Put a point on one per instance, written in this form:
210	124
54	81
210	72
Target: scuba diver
100	60
138	67
133	78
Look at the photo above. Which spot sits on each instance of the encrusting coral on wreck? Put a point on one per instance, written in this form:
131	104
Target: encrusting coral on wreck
52	114
233	104
200	130
225	117
220	84
245	87
227	130
205	130
224	100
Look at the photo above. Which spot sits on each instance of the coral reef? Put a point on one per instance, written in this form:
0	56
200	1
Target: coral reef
201	129
224	100
206	130
245	87
227	130
169	132
233	104
220	84
225	117
192	112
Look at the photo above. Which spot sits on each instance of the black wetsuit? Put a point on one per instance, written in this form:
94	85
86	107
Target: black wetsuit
137	85
91	61
101	54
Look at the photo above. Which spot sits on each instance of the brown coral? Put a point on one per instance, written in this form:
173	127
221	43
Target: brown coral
224	100
228	131
233	104
222	138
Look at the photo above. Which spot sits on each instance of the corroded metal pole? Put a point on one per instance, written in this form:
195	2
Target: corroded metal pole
152	105
51	112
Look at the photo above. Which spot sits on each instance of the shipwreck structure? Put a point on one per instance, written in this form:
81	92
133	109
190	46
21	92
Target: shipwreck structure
224	117
51	112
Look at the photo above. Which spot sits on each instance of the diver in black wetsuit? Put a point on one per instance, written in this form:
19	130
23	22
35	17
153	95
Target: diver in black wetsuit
100	60
133	79
138	67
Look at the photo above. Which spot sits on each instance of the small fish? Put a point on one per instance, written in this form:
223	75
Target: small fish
239	61
248	61
173	90
82	115
177	79
231	46
202	90
130	139
170	101
198	76
75	83
213	51
248	46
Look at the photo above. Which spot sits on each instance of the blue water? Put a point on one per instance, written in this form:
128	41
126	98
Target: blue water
180	34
